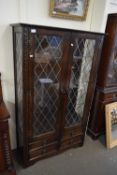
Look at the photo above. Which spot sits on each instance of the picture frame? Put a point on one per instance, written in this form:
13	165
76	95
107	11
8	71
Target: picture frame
111	124
69	9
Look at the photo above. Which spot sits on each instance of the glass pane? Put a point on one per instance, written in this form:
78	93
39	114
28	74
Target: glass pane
82	62
48	54
112	70
114	124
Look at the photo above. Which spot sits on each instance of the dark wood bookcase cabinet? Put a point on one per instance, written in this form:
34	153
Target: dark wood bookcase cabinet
106	86
6	162
55	77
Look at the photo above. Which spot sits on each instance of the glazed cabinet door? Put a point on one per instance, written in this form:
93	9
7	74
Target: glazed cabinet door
47	58
82	70
107	77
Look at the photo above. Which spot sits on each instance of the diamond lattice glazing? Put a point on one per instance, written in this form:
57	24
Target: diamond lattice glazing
48	54
82	62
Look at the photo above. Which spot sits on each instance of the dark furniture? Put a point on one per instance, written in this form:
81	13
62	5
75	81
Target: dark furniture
106	86
55	76
6	163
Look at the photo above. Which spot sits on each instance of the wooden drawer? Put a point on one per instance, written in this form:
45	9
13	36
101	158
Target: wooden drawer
42	143
71	133
72	142
101	95
42	151
112	96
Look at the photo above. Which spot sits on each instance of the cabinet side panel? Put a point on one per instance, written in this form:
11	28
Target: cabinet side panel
18	65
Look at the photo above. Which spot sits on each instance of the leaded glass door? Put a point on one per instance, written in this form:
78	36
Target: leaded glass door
49	48
79	92
80	73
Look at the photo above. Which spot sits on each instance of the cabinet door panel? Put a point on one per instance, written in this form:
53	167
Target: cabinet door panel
47	70
82	58
108	67
47	78
112	70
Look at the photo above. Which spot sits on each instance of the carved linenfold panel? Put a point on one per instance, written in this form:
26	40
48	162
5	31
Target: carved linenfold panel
48	54
6	162
80	74
6	151
2	159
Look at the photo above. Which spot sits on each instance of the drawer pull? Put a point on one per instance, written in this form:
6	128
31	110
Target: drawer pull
114	96
44	142
44	151
71	142
71	134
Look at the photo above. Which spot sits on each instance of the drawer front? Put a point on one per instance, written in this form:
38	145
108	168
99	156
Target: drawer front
40	143
45	148
69	133
102	96
112	96
42	152
72	142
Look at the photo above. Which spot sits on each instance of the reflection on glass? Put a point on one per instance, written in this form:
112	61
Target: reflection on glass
114	123
112	72
81	67
47	69
19	63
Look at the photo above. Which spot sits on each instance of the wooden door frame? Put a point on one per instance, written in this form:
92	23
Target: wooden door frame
65	35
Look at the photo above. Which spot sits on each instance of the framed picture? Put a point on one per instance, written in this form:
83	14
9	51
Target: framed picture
71	9
111	125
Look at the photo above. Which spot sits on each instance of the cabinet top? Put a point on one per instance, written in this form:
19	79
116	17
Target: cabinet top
54	28
112	15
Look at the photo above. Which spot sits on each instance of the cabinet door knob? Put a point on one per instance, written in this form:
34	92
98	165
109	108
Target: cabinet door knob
45	143
31	56
72	44
71	134
114	96
44	151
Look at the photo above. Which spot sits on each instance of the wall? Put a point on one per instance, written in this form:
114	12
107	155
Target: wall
40	15
9	13
110	7
36	12
98	16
